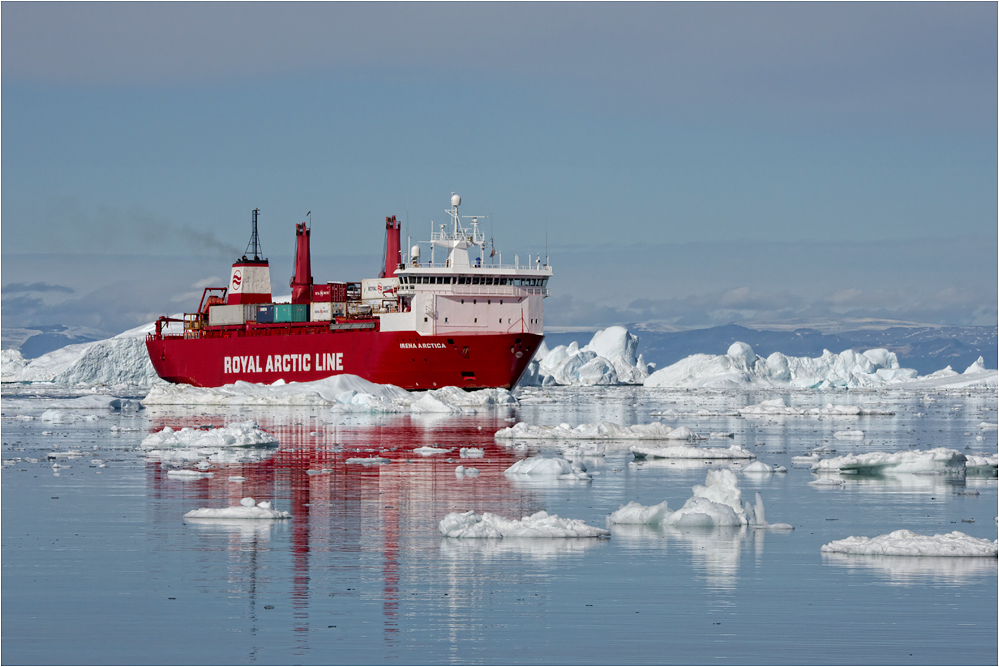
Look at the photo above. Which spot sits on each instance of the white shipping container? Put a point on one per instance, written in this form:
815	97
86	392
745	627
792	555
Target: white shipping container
220	316
250	312
379	288
321	311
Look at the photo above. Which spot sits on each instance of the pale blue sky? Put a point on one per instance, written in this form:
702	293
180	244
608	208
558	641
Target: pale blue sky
849	149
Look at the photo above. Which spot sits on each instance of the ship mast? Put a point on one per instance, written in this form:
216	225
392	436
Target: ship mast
254	245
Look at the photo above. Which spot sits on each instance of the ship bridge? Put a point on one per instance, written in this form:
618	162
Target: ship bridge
462	289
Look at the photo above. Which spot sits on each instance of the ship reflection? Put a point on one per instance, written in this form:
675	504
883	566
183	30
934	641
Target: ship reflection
355	511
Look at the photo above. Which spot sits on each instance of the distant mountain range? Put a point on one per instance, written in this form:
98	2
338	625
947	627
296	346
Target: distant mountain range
925	349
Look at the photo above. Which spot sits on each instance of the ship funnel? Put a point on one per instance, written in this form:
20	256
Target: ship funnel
250	280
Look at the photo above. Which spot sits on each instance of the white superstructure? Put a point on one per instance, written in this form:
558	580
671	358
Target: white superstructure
466	292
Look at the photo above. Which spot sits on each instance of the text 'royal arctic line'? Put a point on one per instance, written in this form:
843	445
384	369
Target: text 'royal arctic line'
467	321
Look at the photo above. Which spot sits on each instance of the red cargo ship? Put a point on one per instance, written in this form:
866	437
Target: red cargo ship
467	321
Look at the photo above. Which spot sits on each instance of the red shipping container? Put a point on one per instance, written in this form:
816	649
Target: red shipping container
322	293
338	292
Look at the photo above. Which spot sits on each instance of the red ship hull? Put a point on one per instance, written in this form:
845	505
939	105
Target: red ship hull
404	359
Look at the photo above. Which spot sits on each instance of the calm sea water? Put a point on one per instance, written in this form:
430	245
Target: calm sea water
99	566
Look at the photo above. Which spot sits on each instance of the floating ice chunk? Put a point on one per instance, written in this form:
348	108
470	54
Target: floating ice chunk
471	453
600	431
248	502
430	451
262	510
827	481
811	459
189	474
908	543
982	464
556	468
849	435
986	426
759	467
717	503
238	434
372	461
541	524
940	460
462	471
690	452
609	358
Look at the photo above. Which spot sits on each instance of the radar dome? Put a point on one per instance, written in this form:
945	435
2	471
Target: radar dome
455	200
414	252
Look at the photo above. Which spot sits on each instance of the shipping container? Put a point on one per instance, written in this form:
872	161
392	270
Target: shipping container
250	312
339	308
379	288
322	293
321	311
220	316
265	313
291	312
338	291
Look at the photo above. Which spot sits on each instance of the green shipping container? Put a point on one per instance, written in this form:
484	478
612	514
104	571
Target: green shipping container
291	312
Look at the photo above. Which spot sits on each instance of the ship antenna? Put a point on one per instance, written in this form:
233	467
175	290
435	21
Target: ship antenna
254	245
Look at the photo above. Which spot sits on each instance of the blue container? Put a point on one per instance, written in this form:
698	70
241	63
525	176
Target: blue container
265	314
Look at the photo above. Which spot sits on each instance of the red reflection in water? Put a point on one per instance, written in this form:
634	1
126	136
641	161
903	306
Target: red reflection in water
339	503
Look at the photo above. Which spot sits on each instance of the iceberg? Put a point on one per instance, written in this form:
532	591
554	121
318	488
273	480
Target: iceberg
247	509
908	543
540	524
609	358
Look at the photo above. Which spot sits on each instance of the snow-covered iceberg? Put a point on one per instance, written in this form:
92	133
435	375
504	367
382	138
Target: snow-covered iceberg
717	503
119	360
741	368
611	357
540	524
908	543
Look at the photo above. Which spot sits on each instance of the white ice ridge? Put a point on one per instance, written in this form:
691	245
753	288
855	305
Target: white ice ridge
717	503
908	543
237	434
346	393
939	461
599	431
609	358
741	368
541	524
247	509
537	466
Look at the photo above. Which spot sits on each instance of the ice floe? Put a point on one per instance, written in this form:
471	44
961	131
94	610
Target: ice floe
717	503
761	468
609	358
679	451
779	407
238	434
538	525
599	431
933	461
345	393
908	543
554	468
247	509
